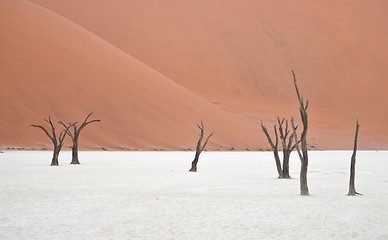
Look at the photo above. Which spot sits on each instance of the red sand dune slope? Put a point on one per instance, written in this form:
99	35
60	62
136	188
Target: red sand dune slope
52	66
228	61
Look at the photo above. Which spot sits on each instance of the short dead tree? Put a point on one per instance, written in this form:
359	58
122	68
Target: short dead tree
57	142
304	190
274	148
75	136
288	147
199	148
352	190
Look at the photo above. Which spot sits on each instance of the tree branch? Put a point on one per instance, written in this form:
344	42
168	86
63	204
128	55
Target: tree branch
296	139
53	130
63	134
204	145
268	137
68	132
84	124
45	131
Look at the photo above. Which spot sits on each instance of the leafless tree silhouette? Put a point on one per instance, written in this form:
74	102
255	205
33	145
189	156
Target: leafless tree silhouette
304	190
352	190
199	148
57	142
75	136
274	148
287	144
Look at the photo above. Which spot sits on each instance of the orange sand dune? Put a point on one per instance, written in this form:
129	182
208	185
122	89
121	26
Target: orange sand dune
52	66
228	61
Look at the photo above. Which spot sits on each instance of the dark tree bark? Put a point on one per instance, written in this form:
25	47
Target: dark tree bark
74	152
57	142
352	189
75	136
287	148
274	148
199	148
54	160
304	190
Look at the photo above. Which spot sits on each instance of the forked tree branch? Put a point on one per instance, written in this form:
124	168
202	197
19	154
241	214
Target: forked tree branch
273	146
45	131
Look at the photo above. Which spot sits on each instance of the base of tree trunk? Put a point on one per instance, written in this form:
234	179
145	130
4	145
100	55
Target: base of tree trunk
305	193
193	170
353	193
74	162
54	161
54	164
284	177
304	190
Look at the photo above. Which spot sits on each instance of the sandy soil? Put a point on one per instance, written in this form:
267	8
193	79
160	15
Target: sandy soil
151	70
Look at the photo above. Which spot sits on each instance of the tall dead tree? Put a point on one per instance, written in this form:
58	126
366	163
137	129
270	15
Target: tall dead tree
199	148
274	148
304	190
288	147
352	190
57	142
75	136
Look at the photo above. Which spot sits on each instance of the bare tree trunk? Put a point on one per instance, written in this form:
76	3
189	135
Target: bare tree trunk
74	153
278	164
274	147
286	160
199	148
304	190
352	189
194	162
54	161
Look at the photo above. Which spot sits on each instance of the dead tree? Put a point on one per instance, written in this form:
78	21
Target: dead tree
199	148
352	190
288	147
304	190
284	171
274	148
57	142
75	135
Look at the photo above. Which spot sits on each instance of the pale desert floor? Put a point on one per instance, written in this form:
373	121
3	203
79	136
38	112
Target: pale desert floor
151	195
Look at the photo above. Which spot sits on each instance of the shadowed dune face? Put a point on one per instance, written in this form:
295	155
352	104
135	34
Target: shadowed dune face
151	70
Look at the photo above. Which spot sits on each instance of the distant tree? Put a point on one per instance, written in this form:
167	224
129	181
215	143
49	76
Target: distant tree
288	147
304	190
75	136
57	142
352	190
199	148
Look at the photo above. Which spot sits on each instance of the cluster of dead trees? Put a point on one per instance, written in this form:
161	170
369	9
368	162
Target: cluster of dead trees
290	141
72	130
286	132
